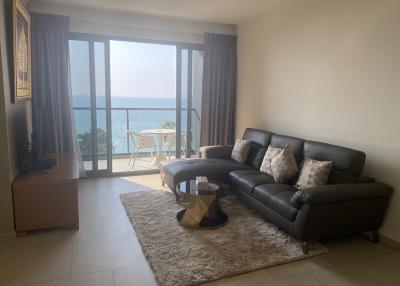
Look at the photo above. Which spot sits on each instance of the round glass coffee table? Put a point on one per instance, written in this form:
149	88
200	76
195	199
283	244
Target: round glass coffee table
204	210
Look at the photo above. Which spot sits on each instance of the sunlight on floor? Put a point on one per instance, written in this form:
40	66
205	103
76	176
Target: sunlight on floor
120	164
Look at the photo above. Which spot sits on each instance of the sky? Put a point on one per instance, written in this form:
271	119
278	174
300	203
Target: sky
137	69
79	64
142	70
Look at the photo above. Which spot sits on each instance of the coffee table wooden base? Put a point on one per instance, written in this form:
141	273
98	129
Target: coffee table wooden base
204	212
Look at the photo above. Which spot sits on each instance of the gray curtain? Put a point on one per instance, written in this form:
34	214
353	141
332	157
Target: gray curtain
51	94
219	90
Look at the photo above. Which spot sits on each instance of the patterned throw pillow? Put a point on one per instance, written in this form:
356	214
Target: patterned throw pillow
284	166
241	150
266	163
314	173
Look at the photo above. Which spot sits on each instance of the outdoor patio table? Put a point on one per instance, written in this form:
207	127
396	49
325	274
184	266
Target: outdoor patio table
160	134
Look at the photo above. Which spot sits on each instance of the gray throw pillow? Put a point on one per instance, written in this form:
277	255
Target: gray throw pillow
241	150
284	166
266	163
314	173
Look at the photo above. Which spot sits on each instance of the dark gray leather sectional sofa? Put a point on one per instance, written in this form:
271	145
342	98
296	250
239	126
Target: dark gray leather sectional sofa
350	203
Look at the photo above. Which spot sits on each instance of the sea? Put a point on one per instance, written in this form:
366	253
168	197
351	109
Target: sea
122	120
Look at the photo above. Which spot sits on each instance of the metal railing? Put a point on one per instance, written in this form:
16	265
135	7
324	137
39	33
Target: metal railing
122	139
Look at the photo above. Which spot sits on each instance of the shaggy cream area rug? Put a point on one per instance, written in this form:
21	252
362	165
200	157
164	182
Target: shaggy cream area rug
181	256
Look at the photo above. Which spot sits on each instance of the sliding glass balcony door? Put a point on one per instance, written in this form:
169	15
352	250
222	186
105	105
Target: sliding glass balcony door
135	103
89	85
189	97
143	101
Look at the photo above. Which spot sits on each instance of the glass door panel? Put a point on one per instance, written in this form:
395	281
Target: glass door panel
197	91
143	100
190	76
184	104
101	114
89	97
81	100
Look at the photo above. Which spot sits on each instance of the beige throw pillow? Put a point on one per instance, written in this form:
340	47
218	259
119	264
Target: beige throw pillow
266	163
241	150
314	173
284	166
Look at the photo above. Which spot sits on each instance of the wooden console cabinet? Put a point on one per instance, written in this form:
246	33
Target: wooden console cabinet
47	198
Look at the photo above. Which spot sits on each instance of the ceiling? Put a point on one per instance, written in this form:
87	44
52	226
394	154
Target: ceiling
218	11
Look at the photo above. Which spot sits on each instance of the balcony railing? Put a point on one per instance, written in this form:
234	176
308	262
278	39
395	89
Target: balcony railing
130	118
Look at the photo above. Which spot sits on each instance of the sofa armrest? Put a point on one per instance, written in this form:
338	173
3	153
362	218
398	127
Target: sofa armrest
340	193
216	151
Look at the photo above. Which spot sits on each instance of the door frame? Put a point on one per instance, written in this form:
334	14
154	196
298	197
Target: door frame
189	108
91	39
94	172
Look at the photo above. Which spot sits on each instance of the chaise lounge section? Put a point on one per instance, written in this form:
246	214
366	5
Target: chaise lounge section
349	204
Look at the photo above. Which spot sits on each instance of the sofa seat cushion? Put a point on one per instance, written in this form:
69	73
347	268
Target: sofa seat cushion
247	180
277	197
176	171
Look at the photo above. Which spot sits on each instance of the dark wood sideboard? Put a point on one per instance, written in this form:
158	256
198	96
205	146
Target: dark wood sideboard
47	198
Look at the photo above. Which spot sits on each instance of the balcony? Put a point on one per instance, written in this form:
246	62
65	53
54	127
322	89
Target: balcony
121	145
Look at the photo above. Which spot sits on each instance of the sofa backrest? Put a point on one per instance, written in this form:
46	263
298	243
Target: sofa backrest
261	139
296	144
348	164
346	160
258	136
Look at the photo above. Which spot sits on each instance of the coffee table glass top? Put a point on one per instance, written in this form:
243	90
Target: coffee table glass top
190	188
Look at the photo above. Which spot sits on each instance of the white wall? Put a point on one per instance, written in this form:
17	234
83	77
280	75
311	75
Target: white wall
124	24
328	71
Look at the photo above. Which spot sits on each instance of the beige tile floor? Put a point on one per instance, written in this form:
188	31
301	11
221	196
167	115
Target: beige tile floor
106	252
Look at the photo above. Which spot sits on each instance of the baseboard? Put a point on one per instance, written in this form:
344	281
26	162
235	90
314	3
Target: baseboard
393	243
7	235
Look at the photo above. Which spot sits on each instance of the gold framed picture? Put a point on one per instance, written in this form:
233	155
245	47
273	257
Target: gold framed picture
22	52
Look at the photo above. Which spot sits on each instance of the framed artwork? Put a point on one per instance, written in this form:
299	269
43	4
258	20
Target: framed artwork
22	52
